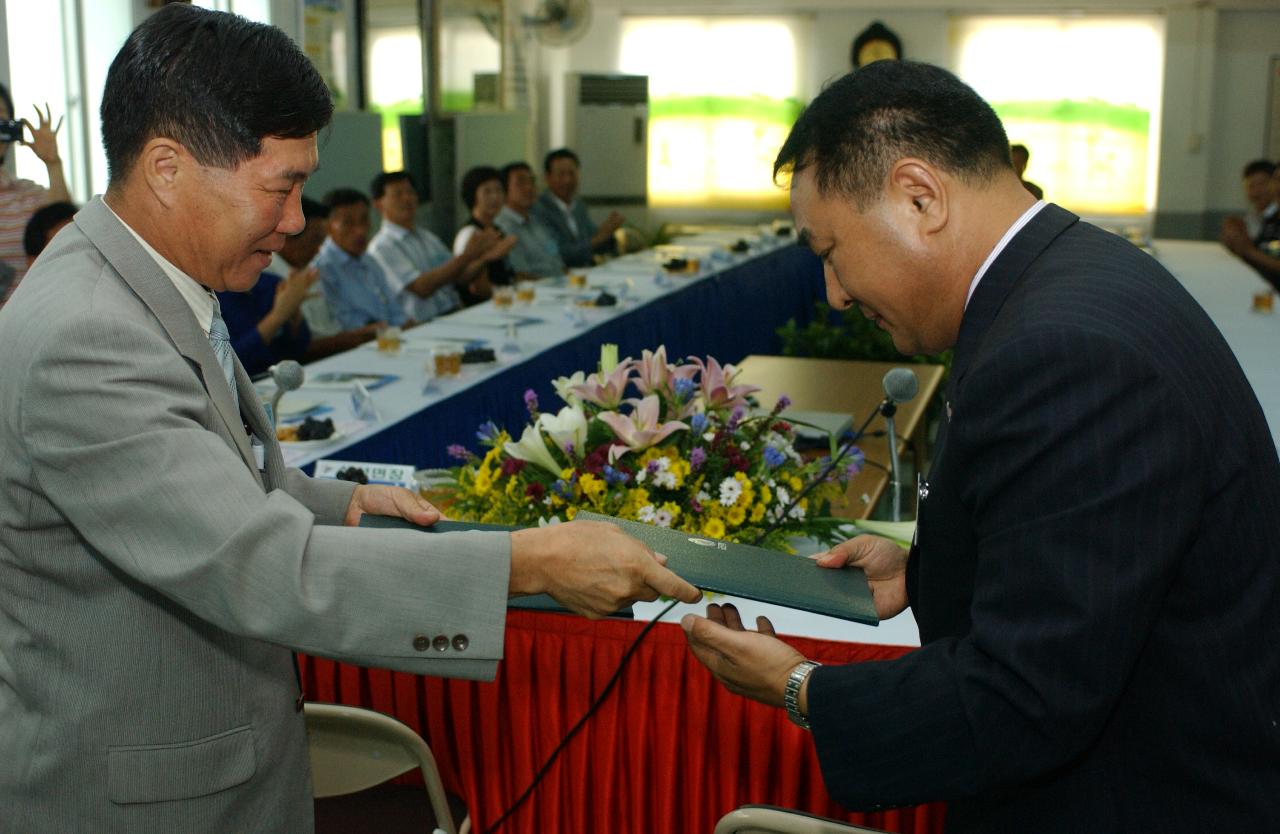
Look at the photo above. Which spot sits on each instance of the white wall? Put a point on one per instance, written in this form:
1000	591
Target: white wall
1246	43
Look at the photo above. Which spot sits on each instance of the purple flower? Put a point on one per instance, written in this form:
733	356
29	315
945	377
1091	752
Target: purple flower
458	452
614	476
652	466
531	402
784	402
696	458
698	423
488	432
856	461
684	388
773	457
562	489
735	418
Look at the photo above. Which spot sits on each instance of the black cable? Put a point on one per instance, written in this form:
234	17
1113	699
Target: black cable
573	731
635	644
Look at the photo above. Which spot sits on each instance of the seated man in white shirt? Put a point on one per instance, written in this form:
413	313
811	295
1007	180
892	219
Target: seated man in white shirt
566	216
422	272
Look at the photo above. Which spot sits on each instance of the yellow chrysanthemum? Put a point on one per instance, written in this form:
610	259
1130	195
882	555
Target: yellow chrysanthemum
672	508
592	486
714	528
766	495
736	516
570	511
757	513
796	484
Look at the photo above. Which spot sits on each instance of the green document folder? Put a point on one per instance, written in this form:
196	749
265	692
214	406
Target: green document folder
738	570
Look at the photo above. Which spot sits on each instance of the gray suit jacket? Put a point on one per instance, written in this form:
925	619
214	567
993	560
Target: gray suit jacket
153	581
574	248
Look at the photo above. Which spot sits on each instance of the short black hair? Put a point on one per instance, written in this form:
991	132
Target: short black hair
1018	146
7	99
476	177
36	235
215	82
510	168
559	153
853	132
313	209
339	197
379	185
1259	166
877	31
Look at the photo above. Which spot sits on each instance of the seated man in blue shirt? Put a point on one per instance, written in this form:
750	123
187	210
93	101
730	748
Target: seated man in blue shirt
535	254
354	284
422	272
269	323
566	216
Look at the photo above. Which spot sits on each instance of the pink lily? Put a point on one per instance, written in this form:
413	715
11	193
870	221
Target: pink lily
605	390
718	389
653	373
639	429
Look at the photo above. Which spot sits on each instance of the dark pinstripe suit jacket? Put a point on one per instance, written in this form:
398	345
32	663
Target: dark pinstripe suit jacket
1097	576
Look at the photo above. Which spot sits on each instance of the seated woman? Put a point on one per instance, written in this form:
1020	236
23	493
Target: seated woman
483	195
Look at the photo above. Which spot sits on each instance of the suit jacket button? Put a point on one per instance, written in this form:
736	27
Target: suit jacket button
441	643
422	642
460	642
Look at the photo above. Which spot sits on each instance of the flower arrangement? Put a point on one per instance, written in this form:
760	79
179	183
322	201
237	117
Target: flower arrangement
687	453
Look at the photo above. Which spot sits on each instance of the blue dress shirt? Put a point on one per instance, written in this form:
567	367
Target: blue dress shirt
356	288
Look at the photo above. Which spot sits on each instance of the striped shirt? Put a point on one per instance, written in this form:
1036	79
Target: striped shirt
404	254
18	201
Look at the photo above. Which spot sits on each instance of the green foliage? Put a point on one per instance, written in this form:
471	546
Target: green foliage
846	335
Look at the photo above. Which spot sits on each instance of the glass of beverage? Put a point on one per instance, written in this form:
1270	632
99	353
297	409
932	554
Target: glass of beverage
578	280
448	361
389	340
525	292
503	296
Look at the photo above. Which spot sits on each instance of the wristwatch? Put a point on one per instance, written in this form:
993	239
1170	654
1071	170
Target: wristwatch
791	694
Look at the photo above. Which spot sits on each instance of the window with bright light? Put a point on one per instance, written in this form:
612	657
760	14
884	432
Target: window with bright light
36	32
723	94
1082	93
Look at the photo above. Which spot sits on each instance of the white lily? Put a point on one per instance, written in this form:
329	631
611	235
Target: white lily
564	387
533	449
567	427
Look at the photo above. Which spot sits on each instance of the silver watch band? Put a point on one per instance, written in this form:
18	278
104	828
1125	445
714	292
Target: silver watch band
791	694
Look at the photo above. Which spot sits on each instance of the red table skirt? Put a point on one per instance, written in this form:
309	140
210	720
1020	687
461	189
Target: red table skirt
670	750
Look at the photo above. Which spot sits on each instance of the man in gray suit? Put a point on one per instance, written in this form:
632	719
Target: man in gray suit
566	216
158	562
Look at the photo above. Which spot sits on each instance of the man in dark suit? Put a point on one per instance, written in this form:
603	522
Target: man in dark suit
1096	574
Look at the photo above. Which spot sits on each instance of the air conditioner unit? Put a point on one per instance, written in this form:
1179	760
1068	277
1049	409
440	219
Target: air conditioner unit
607	125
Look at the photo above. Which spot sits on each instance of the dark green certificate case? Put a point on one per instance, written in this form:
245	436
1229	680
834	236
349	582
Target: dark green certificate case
738	570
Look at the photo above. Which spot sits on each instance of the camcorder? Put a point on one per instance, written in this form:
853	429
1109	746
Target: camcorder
10	130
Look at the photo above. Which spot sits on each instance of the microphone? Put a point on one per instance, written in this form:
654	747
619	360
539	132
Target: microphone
288	376
900	386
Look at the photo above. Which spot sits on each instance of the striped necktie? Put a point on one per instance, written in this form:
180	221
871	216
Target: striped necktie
220	341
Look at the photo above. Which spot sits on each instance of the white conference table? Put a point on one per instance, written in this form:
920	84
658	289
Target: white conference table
1224	286
515	334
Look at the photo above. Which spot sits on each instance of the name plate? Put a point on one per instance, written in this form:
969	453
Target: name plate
395	474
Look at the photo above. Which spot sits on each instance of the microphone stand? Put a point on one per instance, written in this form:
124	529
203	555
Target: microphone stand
889	409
